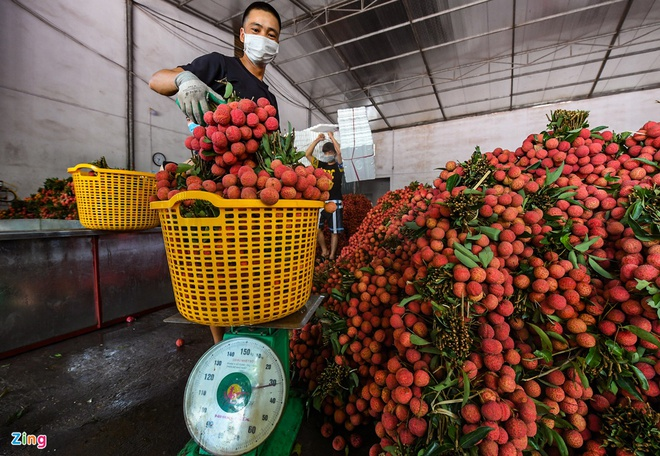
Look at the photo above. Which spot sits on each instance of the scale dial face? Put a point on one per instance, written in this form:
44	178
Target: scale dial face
158	158
235	396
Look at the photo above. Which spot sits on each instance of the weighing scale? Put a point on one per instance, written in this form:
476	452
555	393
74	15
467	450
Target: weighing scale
237	400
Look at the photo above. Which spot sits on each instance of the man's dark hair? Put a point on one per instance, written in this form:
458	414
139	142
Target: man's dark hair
263	6
328	147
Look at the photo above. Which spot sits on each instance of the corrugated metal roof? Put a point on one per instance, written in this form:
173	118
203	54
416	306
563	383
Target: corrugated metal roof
412	62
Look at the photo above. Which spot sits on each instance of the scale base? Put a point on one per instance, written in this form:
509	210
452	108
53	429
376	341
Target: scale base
279	443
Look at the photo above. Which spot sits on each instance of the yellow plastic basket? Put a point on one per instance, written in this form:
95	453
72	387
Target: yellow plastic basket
251	264
114	199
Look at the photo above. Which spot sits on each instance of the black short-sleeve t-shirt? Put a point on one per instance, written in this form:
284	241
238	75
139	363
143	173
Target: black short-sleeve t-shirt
214	67
337	172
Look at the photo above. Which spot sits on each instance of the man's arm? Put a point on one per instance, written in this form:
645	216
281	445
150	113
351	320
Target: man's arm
337	147
162	81
310	148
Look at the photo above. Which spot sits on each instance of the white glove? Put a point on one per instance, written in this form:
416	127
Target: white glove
193	96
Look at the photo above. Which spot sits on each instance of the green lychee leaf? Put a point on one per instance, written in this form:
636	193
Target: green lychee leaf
599	269
492	233
643	381
626	385
551	177
466	257
416	340
229	89
546	355
467	261
409	299
647	162
643	334
561	445
614	348
557	336
486	256
545	340
470	440
431	350
593	358
565	240
434	449
642	284
453	181
586	245
466	388
583	378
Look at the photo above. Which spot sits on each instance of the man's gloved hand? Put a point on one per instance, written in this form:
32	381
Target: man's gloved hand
193	95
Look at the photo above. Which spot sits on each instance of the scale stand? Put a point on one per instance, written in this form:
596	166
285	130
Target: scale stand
237	399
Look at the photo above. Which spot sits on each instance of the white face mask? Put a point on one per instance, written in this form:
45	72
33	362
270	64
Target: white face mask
327	158
259	49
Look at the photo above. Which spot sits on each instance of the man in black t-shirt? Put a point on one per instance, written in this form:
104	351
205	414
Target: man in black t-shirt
202	79
330	161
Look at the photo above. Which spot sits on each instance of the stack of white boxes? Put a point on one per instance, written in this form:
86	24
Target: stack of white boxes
357	144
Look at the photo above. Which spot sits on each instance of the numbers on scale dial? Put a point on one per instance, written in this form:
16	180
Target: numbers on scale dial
238	392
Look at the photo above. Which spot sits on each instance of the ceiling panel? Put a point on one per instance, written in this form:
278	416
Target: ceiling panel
412	62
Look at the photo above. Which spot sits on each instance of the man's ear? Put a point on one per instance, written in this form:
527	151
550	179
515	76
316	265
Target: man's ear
241	35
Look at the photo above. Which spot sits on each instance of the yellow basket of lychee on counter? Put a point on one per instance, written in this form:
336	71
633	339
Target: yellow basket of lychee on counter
114	199
238	261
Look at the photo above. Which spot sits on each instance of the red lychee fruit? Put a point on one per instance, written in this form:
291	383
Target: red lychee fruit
471	414
233	134
573	438
289	178
338	443
263	101
402	394
646	272
418	407
516	428
327	430
249	179
356	440
269	196
271	124
237	117
491	346
421	378
222	115
404	377
491	411
417	426
249	193
288	193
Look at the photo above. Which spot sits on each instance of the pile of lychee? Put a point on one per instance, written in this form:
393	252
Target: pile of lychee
225	160
511	305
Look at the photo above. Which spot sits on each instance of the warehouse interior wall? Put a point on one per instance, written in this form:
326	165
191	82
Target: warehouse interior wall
415	154
64	85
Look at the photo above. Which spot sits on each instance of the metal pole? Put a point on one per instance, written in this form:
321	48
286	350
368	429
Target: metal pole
130	124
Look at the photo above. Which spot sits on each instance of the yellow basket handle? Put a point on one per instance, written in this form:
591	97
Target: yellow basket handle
77	168
98	171
220	202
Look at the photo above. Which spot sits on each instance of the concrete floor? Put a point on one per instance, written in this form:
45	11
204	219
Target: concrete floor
116	391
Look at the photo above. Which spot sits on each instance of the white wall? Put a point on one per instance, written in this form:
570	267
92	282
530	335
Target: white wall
63	85
412	154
